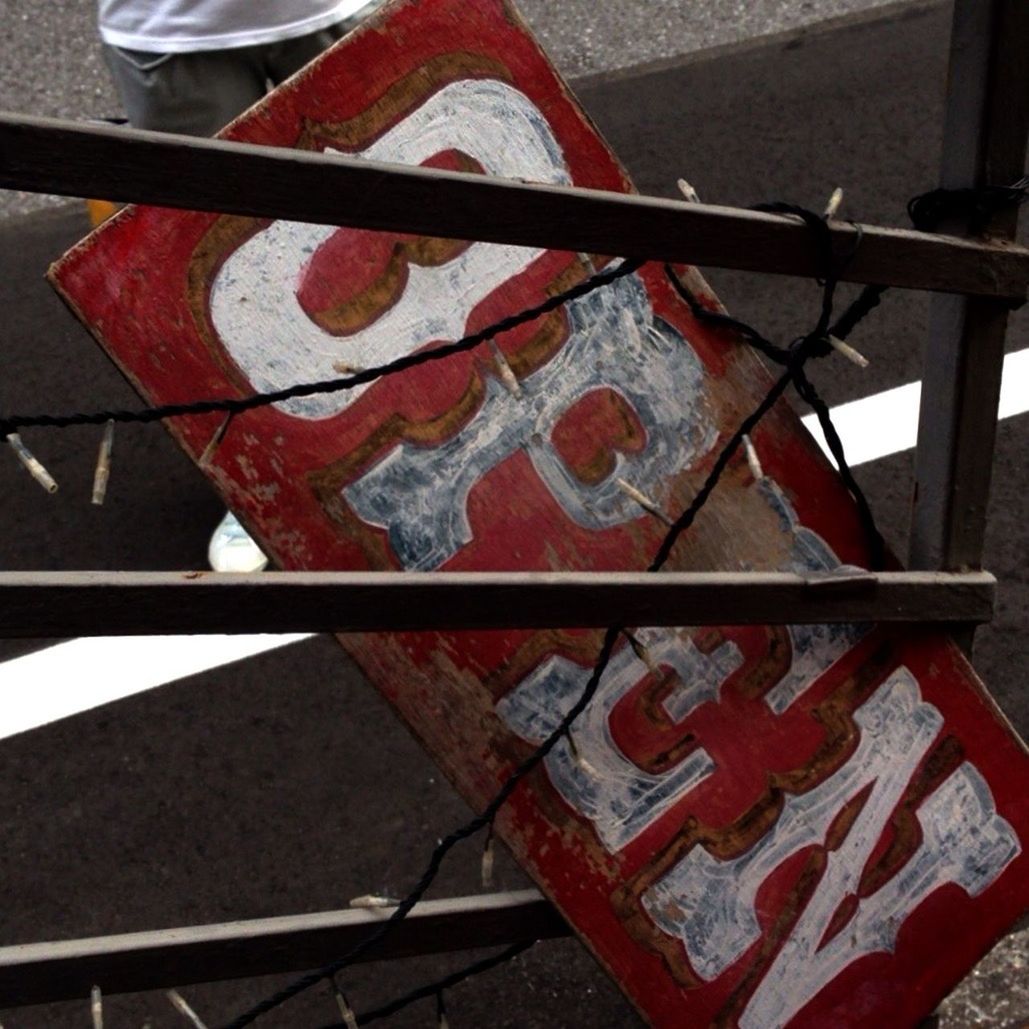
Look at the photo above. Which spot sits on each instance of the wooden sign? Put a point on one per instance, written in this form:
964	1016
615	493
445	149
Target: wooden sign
806	826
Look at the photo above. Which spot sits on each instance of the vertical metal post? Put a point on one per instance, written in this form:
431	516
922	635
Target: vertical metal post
985	130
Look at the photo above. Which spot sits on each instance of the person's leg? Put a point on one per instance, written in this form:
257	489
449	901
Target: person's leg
196	93
287	57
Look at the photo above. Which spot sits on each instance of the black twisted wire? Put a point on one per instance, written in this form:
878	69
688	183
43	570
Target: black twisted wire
814	344
435	989
236	405
925	211
976	206
488	815
861	307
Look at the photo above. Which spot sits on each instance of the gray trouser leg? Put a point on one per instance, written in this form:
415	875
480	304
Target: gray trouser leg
196	94
280	60
200	93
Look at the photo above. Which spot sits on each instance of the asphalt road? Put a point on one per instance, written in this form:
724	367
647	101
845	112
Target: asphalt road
283	784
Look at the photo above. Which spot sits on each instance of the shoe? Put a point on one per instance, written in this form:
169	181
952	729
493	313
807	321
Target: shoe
233	550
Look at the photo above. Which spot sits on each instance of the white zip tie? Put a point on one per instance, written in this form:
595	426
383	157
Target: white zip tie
640	650
835	201
32	465
688	191
184	1009
346	1011
656	336
643	500
577	754
487	863
96	1007
215	441
753	460
373	901
103	465
852	355
632	330
507	375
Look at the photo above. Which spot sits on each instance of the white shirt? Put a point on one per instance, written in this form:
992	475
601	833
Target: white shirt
182	26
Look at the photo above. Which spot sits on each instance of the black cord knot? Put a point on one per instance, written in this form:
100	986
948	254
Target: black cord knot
813	345
976	206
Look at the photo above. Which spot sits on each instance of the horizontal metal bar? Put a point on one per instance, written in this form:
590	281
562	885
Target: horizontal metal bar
37	973
127	603
51	156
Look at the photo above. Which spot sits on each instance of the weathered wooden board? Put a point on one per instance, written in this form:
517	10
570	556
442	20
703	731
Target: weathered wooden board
810	825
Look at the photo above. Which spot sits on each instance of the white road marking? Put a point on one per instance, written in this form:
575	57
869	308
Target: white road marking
887	423
81	674
76	676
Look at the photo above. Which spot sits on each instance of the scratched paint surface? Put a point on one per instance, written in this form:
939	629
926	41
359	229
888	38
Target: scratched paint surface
753	826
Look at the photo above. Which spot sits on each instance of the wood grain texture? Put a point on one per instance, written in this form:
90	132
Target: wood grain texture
66	970
984	144
127	603
66	158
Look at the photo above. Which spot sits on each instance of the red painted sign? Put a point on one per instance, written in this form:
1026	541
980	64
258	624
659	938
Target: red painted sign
756	826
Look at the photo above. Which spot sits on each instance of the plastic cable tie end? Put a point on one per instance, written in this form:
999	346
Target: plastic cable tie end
31	464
